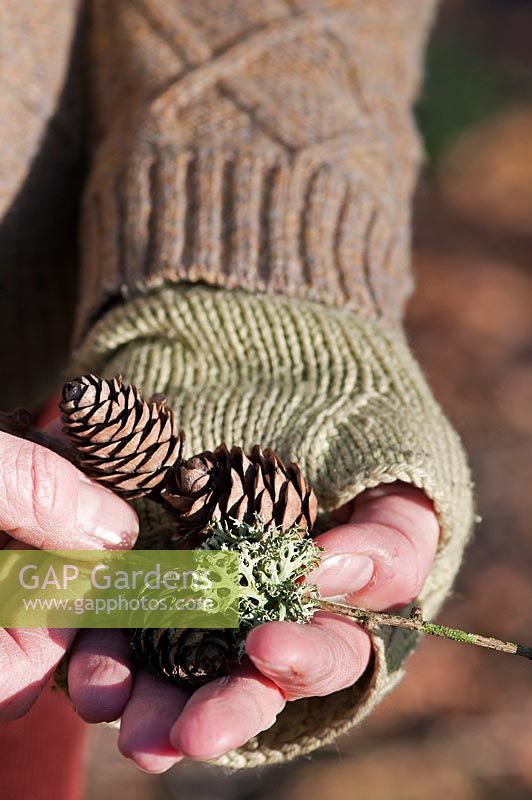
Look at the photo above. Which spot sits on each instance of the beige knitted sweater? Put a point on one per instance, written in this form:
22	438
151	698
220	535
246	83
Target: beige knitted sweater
245	249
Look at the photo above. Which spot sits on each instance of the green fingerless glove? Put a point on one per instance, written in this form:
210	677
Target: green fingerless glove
341	396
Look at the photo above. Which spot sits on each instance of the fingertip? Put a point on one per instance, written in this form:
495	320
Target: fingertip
46	503
195	738
226	713
315	659
278	643
152	763
147	720
94	702
99	675
28	657
104	519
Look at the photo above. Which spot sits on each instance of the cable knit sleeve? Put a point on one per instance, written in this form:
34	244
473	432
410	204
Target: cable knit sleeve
246	251
267	146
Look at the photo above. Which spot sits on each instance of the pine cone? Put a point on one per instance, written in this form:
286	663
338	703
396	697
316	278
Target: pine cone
189	656
120	439
227	484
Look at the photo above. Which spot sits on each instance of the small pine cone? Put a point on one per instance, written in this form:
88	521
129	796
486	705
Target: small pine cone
120	439
188	656
229	484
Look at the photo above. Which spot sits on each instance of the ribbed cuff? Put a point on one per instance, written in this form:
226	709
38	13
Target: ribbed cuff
309	227
339	395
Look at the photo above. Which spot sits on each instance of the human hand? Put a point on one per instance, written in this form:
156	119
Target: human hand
46	503
377	557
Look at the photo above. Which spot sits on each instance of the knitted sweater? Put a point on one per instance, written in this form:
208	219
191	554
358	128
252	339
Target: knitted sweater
245	249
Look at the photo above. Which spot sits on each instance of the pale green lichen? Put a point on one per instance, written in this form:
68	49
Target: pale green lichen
273	564
449	633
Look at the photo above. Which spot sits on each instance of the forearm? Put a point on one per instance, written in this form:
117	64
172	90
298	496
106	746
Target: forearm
265	146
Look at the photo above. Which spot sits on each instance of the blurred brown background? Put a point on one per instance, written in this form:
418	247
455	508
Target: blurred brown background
460	725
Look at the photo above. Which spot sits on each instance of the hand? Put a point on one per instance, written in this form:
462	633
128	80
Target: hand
46	503
378	557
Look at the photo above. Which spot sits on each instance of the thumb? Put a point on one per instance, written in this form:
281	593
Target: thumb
382	555
46	503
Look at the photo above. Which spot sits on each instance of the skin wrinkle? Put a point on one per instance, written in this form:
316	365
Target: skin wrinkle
7	473
44	485
7	670
247	702
417	578
349	665
25	488
104	670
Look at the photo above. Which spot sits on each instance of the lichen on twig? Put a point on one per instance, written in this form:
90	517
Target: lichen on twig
415	622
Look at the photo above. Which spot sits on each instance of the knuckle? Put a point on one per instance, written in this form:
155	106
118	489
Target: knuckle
407	577
37	474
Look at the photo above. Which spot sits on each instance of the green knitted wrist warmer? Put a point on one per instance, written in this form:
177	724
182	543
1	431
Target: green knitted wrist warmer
341	396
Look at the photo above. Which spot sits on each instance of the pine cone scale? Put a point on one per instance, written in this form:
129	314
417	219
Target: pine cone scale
234	485
120	439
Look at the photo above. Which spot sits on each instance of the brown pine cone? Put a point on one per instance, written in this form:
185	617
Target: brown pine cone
120	439
188	656
227	484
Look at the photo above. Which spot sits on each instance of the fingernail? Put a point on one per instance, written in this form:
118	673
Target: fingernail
342	573
106	520
274	668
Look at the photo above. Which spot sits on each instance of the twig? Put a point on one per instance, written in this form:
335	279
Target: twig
19	423
415	622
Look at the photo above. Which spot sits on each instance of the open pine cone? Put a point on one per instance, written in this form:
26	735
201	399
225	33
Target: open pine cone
228	484
121	440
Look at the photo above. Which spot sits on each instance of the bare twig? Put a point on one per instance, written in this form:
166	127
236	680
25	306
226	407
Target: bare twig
19	423
415	622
